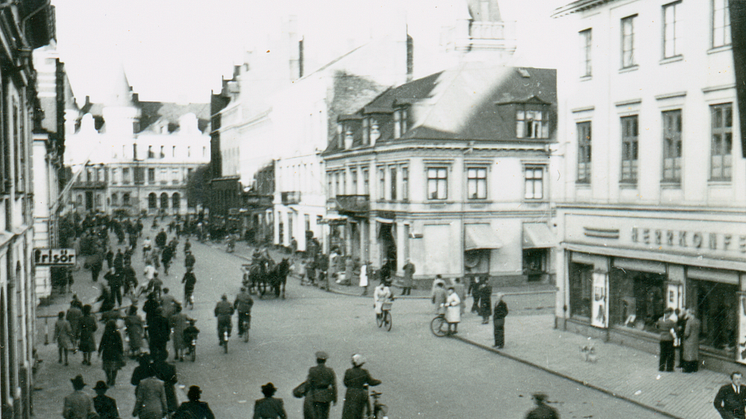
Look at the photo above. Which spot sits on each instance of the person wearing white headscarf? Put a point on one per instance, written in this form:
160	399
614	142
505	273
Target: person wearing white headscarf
356	397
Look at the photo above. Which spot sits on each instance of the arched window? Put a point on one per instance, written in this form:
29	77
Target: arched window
98	200
164	200
126	200
114	199
176	198
152	201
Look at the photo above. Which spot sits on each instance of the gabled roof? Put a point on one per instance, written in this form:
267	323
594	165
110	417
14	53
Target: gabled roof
469	102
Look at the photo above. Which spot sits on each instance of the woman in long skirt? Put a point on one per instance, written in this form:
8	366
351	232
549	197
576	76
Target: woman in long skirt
356	397
135	329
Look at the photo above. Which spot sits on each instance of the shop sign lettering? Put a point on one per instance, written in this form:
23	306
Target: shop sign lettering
689	239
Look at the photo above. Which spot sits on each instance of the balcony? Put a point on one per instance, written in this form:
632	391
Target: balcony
90	184
352	204
290	198
256	201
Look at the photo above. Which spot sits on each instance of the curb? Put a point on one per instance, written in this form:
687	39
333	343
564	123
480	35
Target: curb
567	377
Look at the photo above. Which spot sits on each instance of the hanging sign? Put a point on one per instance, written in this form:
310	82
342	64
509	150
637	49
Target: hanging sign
675	297
54	257
600	309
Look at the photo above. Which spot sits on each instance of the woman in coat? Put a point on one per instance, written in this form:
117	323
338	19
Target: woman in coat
690	352
178	323
356	397
63	335
111	351
453	310
151	398
88	327
134	324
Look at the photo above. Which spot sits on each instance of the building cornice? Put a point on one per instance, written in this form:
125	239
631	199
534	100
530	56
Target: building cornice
578	6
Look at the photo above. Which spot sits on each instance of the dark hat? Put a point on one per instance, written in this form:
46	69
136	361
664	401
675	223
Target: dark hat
322	355
539	397
194	393
268	389
78	381
101	386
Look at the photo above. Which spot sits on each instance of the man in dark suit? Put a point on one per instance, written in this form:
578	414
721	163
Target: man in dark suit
269	407
323	386
730	399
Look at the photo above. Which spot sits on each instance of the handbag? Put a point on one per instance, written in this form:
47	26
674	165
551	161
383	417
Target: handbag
300	391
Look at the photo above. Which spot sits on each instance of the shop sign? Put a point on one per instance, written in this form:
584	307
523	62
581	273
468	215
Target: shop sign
54	257
685	239
675	296
600	309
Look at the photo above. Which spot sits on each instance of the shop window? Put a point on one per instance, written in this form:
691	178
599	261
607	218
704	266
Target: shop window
637	299
717	310
535	264
581	286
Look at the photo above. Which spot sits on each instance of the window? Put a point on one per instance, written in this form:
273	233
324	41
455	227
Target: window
337	186
125	199
151	176
476	182
531	122
151	154
400	122
114	199
672	146
163	152
720	23
534	183
353	175
189	151
366	131
114	176
344	184
175	176
204	151
405	183
125	176
329	185
164	176
392	184
671	30
586	43
722	142
366	182
397	127
437	183
629	149
173	151
628	42
381	183
584	152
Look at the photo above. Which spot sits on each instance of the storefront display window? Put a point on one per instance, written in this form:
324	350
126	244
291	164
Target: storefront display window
581	285
637	298
717	309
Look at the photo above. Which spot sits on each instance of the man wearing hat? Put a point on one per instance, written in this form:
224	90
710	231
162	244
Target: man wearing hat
542	411
106	407
322	384
194	408
78	405
269	407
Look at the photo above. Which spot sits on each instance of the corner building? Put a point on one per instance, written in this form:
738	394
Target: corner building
650	214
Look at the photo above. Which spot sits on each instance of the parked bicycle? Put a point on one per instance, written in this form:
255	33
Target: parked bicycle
439	325
379	410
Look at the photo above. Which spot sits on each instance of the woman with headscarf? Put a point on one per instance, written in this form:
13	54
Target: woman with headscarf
453	310
498	320
356	397
111	351
88	327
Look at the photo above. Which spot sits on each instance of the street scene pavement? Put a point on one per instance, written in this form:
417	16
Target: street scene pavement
423	375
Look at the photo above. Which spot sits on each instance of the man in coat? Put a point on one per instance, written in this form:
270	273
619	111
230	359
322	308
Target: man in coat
690	352
269	407
407	281
439	298
498	321
731	398
78	404
667	328
322	386
485	300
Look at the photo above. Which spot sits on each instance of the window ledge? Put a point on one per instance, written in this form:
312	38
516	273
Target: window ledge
670	184
673	59
720	182
715	50
586	78
626	184
629	69
583	185
535	201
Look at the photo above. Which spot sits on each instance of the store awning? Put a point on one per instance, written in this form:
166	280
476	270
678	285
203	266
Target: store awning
537	236
481	236
333	219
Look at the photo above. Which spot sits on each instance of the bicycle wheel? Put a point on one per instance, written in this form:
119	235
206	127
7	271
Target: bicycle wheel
379	319
388	320
438	326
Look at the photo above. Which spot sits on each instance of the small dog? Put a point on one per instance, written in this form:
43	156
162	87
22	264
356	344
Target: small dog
588	353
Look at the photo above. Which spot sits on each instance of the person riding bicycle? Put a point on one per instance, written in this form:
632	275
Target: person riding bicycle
224	311
190	333
381	295
243	305
189	280
147	245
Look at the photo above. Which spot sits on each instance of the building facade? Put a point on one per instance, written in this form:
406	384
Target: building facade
449	171
138	156
651	213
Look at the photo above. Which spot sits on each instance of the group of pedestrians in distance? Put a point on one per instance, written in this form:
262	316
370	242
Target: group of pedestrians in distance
679	333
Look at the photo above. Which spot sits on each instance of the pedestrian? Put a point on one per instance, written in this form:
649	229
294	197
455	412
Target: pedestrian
439	298
106	298
322	384
96	263
731	398
106	407
141	371
498	320
461	292
74	314
63	335
407	281
189	260
300	270
224	312
332	267
161	238
690	353
151	398
356	380
485	300
168	303
166	256
194	408
78	405
135	327
159	333
189	280
364	277
129	279
114	279
542	411
243	305
269	407
178	322
111	351
476	293
166	372
678	342
88	327
667	330
453	311
155	285
109	256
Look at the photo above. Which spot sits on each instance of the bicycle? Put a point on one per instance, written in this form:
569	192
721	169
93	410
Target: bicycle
439	325
385	319
380	410
244	326
224	339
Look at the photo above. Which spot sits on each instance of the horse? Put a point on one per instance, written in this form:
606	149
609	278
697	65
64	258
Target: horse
277	277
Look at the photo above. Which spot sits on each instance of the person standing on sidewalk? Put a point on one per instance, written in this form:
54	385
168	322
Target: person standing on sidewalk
485	300
364	277
407	281
498	320
453	311
731	398
461	291
542	411
690	353
63	335
476	294
667	328
439	298
87	329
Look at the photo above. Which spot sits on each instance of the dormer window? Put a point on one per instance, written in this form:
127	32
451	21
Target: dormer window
151	154
366	131
400	122
532	121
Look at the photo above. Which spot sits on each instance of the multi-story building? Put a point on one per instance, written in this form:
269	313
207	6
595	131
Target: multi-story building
449	171
650	214
60	114
138	156
24	27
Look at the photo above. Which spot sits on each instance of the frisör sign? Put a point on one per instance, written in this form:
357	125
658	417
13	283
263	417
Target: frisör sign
54	257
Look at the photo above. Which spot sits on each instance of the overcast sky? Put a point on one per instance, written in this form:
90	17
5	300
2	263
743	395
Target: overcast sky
177	50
